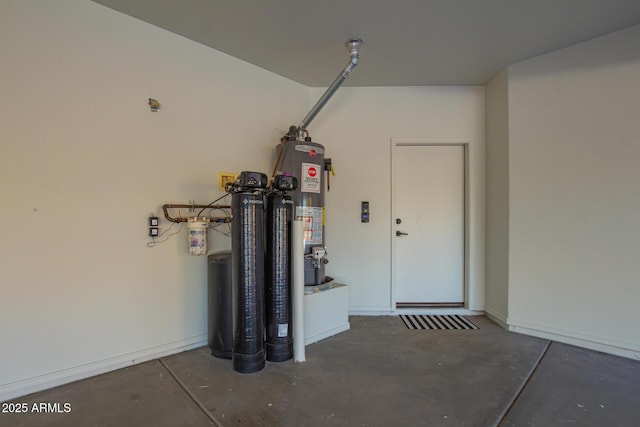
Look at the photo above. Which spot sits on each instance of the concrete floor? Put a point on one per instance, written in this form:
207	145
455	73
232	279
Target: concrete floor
377	374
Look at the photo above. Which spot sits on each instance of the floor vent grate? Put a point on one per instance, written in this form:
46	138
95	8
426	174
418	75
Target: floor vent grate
449	322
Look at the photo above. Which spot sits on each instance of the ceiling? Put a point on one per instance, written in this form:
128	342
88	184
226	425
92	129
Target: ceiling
406	42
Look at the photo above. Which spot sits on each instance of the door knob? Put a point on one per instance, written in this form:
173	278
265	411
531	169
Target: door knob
400	233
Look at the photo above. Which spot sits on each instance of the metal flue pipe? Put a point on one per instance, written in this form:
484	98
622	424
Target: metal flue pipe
354	48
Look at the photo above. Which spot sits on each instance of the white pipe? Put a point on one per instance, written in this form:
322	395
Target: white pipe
297	256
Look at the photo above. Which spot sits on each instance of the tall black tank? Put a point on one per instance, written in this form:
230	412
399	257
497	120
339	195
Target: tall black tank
247	247
279	323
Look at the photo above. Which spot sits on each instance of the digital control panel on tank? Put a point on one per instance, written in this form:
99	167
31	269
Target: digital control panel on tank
252	179
285	182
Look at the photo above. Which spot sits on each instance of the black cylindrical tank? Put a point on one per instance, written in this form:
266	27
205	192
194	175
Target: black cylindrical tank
279	334
247	247
220	304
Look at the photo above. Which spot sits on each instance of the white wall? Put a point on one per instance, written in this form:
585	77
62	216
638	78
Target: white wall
574	194
356	127
497	198
82	163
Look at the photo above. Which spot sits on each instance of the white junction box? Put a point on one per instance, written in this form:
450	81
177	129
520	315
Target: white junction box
326	312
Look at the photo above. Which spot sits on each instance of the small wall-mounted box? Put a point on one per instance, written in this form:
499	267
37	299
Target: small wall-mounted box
364	212
224	178
153	226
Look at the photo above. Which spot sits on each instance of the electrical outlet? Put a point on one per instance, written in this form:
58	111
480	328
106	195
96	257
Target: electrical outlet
153	226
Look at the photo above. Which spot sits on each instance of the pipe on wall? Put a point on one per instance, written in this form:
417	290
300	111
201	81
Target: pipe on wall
165	209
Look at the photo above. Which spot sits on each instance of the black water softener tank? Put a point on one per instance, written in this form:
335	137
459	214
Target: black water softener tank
247	248
220	304
279	327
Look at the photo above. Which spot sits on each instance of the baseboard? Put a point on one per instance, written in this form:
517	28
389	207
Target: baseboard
364	312
53	379
498	318
570	337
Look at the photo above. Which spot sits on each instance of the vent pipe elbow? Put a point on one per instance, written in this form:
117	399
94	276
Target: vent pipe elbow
354	47
354	56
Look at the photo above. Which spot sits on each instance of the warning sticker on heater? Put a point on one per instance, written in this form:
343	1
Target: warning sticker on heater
312	224
311	174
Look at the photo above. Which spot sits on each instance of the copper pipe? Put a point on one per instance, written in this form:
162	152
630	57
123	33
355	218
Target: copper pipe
275	167
165	209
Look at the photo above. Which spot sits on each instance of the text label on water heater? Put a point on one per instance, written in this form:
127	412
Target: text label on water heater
311	176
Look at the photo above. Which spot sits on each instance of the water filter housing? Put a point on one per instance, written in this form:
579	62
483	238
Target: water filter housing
197	229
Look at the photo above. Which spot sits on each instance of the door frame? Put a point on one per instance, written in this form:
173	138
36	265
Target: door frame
464	143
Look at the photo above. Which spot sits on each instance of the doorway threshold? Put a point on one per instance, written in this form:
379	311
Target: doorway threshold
429	305
436	310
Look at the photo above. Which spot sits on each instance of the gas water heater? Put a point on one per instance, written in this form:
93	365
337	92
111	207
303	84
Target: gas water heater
304	160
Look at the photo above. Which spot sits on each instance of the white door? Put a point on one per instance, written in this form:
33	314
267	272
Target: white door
428	224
